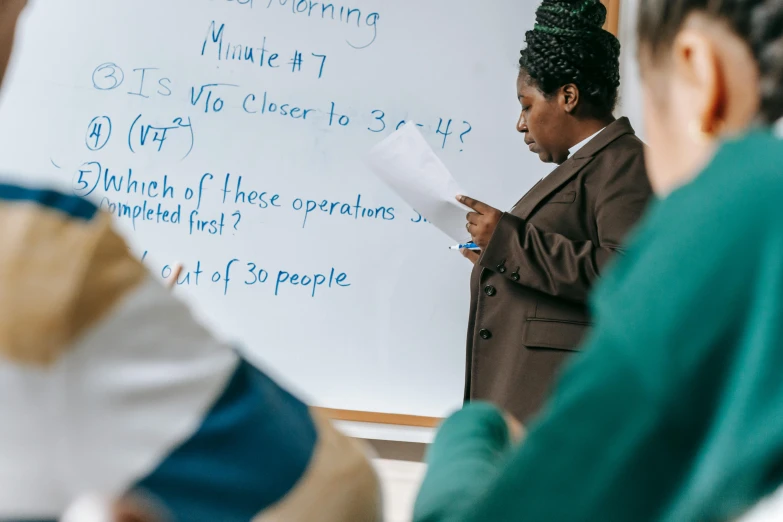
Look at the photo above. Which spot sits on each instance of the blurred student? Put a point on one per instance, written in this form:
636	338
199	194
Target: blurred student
109	385
675	410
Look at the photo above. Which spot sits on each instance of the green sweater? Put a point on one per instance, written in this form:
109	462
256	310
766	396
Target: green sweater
674	412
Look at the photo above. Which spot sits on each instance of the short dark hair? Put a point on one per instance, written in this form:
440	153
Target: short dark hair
569	45
758	22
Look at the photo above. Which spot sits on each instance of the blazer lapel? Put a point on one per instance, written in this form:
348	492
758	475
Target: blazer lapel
570	168
559	177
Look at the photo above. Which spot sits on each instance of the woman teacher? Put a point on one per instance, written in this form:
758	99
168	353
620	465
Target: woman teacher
539	261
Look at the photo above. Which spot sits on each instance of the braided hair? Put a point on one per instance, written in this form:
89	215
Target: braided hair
758	22
569	45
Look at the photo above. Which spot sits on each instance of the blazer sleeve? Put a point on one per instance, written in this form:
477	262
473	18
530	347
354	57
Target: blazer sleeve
556	265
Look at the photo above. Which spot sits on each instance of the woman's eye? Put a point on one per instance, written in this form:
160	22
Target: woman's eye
525	109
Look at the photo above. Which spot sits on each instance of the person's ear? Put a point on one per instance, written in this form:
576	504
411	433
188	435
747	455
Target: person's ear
702	82
569	97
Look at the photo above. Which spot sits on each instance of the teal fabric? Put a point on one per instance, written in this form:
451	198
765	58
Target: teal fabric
674	411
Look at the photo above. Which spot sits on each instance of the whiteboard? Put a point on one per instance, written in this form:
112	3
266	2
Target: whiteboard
163	111
631	102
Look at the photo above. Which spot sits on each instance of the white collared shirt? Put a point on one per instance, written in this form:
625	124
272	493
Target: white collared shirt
573	150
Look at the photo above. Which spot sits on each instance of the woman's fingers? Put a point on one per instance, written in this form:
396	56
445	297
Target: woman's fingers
516	431
471	255
475	204
473	218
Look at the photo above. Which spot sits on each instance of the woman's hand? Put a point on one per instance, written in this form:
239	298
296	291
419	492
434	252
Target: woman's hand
516	431
471	255
481	222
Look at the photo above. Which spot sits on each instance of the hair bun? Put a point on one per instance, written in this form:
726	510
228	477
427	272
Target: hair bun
569	45
570	17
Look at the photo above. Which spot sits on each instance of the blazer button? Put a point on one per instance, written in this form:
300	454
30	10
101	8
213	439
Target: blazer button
502	269
515	277
485	334
490	290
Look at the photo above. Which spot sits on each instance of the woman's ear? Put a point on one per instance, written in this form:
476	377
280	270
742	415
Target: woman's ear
702	83
569	97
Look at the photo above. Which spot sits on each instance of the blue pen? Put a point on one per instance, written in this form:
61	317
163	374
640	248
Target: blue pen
466	246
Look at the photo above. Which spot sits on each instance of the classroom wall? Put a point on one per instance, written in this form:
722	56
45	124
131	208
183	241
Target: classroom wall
630	89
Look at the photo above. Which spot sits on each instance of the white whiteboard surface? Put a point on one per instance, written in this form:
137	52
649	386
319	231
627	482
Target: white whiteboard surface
389	334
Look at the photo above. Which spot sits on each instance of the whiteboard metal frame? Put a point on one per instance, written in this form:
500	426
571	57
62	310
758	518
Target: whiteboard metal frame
380	418
612	16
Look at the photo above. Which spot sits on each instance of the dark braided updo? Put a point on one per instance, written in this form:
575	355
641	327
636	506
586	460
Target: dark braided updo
569	45
758	22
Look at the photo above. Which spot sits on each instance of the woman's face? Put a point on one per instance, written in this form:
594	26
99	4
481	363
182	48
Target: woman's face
704	88
541	121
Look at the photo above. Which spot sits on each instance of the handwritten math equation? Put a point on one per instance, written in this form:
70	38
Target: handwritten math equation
170	107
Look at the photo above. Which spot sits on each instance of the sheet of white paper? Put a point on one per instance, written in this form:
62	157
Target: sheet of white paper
406	163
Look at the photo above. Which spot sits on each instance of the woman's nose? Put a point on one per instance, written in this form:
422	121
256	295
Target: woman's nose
521	123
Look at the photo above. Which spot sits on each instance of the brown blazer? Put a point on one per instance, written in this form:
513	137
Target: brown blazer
529	289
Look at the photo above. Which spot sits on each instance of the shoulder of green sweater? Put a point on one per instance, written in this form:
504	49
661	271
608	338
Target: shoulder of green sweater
741	184
745	174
